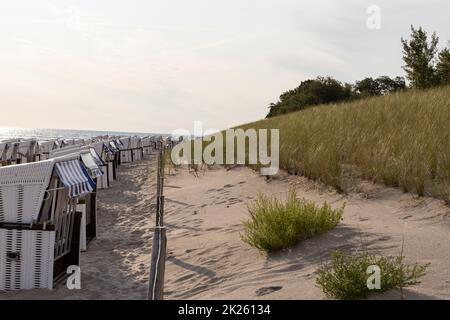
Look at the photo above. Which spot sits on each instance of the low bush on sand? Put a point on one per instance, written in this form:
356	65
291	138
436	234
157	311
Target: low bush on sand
276	224
346	276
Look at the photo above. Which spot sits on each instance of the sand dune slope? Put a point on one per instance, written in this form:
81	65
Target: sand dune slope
208	259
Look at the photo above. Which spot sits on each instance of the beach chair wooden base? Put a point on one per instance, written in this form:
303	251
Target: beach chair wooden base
27	256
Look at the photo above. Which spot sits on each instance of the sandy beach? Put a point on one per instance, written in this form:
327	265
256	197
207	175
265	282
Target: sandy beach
209	261
206	257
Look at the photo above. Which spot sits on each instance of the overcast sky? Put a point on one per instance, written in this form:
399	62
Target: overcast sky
158	65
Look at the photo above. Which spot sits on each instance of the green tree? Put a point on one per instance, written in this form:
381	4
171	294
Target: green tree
419	55
388	85
368	87
380	86
309	93
443	66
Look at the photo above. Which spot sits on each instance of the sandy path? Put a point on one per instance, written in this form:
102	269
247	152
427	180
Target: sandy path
208	260
116	264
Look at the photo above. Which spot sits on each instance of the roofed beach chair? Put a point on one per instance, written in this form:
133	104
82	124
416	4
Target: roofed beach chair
120	146
3	148
126	153
72	142
136	149
45	147
39	224
159	143
7	150
116	156
106	157
146	144
153	143
86	204
27	151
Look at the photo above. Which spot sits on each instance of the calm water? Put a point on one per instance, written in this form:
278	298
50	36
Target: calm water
43	134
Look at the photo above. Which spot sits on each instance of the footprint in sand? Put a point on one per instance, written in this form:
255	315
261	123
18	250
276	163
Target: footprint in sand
267	290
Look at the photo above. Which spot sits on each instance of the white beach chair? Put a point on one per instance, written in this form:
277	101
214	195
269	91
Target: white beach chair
3	148
104	154
146	144
39	225
126	153
45	147
9	151
87	204
136	149
27	151
115	155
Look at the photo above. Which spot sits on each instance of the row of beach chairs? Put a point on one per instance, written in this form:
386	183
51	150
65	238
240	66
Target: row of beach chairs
48	205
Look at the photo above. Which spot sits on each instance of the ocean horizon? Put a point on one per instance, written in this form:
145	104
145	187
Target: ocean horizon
7	133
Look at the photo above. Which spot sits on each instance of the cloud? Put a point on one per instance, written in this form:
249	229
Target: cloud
149	67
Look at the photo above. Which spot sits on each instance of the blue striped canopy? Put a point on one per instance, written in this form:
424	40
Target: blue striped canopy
107	148
75	177
92	167
113	146
97	157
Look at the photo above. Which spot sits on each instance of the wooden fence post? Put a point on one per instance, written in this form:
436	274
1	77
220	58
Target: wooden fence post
157	267
159	245
158	178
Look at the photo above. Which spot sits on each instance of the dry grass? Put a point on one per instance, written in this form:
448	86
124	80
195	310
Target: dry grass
400	140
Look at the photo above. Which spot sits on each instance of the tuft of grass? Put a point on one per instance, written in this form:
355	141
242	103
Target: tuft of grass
345	277
275	224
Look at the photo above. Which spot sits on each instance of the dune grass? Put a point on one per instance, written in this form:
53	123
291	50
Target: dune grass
276	224
401	140
345	277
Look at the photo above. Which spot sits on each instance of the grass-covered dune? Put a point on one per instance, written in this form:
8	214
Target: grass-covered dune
400	140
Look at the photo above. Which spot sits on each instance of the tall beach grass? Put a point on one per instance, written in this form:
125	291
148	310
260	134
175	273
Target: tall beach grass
400	140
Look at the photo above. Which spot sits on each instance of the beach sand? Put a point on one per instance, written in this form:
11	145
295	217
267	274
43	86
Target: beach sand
207	259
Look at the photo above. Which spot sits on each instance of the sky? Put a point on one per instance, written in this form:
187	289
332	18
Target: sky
160	65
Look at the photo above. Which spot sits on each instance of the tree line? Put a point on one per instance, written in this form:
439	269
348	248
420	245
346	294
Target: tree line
425	67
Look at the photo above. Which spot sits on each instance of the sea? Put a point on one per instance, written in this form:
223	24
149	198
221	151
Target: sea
7	133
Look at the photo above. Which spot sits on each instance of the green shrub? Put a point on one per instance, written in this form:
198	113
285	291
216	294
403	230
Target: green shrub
345	277
275	224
